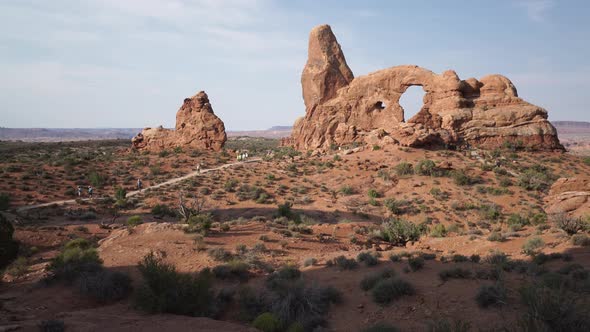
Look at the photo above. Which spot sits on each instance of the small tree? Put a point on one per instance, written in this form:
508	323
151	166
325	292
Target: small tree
191	206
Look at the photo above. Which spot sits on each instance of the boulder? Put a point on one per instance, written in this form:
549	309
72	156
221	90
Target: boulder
342	110
196	127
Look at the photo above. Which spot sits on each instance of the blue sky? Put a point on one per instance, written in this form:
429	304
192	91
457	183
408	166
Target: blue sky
130	63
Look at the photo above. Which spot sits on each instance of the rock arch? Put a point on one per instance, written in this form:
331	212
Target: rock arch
342	109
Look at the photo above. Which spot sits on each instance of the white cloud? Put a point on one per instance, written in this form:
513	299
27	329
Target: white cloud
536	10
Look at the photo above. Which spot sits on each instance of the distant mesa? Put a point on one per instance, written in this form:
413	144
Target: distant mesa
342	109
196	127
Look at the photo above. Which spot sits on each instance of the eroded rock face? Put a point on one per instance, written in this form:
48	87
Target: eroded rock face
196	127
341	110
569	195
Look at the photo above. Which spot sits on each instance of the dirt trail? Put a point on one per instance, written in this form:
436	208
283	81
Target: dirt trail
136	192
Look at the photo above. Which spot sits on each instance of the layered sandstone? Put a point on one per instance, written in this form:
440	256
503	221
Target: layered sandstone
569	195
196	127
342	110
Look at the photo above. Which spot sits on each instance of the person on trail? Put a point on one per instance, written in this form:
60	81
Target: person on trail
79	191
246	155
139	184
199	168
90	191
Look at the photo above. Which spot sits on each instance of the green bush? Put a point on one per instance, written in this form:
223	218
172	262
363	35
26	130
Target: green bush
164	290
77	258
105	286
199	223
234	270
427	167
134	221
404	169
531	246
454	273
162	210
438	230
285	210
267	322
416	263
373	193
219	254
120	193
347	190
381	327
399	232
553	310
536	178
8	247
367	258
461	178
496	237
491	295
570	225
97	179
369	281
459	258
389	290
344	263
581	240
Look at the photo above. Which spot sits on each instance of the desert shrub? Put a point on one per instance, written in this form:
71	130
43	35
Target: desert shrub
496	237
230	185
97	179
461	178
416	263
439	194
284	210
381	327
491	295
399	232
18	267
252	303
367	258
164	290
532	246
105	286
309	261
4	201
347	190
286	273
552	310
438	230
344	263
389	290
372	193
581	240
234	270
120	193
459	258
570	225
134	221
474	258
267	322
162	210
219	254
454	273
404	168
491	212
76	258
52	325
537	178
427	167
8	247
199	223
370	280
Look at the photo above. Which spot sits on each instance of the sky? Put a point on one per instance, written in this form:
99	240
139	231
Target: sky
131	63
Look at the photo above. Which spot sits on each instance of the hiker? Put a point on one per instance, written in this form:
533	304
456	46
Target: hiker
90	191
139	184
246	155
79	191
199	168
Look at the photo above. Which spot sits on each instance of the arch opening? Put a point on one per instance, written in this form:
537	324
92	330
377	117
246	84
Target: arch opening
412	101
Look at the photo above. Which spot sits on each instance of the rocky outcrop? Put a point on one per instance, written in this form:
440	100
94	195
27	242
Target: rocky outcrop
569	195
342	110
196	127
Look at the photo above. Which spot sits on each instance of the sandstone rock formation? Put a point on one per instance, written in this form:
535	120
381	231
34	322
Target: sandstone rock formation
196	127
569	195
342	110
